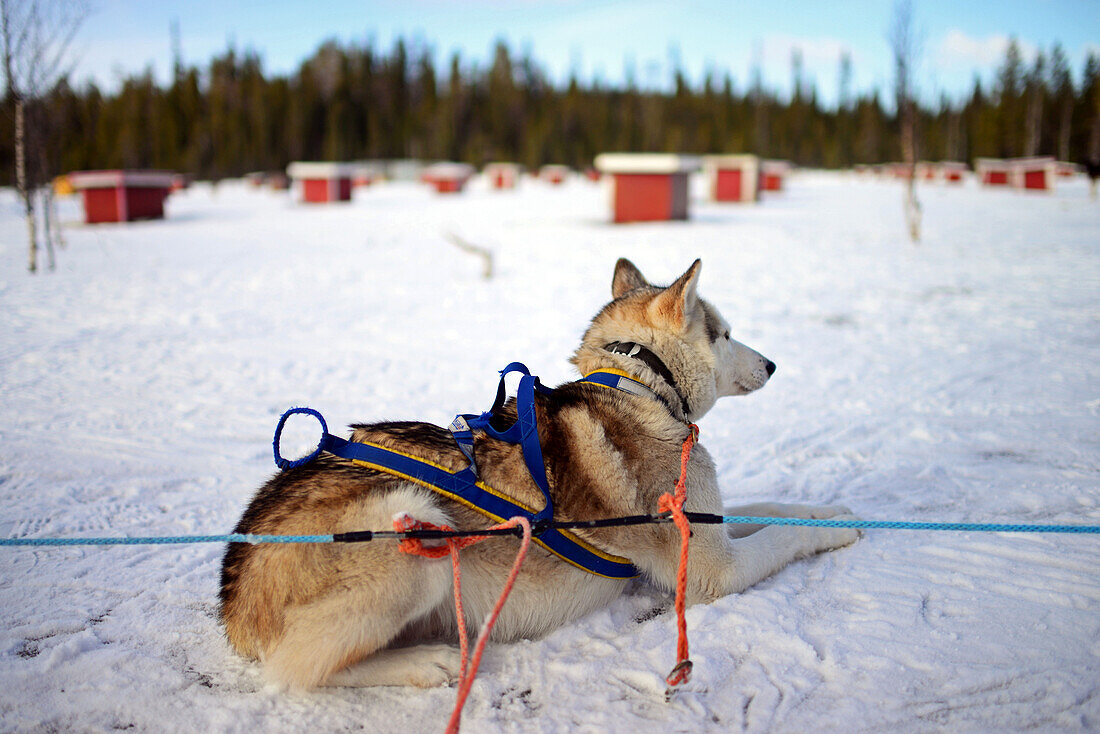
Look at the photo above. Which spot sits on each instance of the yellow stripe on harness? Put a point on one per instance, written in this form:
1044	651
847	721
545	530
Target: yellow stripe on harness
485	487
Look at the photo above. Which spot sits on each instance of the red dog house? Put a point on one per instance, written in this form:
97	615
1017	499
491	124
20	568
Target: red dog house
502	175
993	171
733	177
322	182
772	174
364	174
122	196
952	171
1066	169
554	174
903	171
648	187
181	181
447	178
1037	174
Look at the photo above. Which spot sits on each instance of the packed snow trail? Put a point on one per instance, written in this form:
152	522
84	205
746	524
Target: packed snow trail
953	381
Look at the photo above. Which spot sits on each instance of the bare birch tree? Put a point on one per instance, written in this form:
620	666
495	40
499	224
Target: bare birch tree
906	50
35	36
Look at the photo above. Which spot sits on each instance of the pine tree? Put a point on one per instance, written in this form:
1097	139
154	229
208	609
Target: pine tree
1009	103
1061	87
1035	93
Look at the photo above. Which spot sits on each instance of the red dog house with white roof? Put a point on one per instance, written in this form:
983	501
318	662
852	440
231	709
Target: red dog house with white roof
122	196
772	174
447	178
926	170
502	175
732	177
952	171
1065	169
554	174
1037	174
365	174
322	182
903	171
648	187
993	171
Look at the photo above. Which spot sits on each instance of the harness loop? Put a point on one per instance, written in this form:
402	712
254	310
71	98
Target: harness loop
284	463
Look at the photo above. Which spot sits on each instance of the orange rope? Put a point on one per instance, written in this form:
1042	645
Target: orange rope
674	503
415	546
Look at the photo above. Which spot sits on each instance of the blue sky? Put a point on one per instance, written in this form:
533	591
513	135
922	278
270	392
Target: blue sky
601	38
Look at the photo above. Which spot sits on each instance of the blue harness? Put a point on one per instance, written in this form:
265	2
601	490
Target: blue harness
464	486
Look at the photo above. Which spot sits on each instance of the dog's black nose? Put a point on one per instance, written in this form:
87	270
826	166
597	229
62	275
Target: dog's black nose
770	367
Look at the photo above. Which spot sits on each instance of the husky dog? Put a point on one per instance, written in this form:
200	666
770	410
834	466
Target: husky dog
366	614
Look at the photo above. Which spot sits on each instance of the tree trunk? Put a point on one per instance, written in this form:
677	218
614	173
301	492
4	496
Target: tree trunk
909	155
48	225
1064	123
1033	123
54	219
21	183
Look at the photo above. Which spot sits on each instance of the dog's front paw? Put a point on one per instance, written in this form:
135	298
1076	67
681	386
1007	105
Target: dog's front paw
823	539
429	666
826	512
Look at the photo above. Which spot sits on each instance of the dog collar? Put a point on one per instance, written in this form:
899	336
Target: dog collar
619	380
653	362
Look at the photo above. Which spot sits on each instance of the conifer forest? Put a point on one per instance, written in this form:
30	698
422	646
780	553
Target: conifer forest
355	102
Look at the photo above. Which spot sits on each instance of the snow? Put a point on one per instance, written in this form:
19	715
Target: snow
957	380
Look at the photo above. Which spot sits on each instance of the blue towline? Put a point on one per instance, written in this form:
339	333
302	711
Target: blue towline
367	535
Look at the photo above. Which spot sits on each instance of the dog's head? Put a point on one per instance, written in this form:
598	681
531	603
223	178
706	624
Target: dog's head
694	360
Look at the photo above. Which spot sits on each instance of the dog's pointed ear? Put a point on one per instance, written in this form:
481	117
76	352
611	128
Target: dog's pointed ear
627	278
679	300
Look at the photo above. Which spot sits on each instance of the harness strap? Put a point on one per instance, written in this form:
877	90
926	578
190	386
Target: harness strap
525	432
463	486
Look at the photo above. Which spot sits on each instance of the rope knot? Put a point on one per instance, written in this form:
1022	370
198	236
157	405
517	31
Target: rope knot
680	674
403	522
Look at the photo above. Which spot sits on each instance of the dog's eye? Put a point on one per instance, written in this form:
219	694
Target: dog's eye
727	335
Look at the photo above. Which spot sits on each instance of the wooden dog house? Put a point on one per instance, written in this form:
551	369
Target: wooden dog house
122	196
648	187
502	175
322	182
733	177
447	178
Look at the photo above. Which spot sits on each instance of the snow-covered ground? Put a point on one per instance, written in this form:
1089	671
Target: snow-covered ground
958	380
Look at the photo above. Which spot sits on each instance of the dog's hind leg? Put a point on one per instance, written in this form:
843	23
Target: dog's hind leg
357	621
372	592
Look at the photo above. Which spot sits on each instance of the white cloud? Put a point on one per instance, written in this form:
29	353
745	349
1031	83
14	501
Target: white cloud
816	52
959	50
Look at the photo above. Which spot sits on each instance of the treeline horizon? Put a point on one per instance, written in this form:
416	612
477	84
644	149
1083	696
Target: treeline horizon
353	102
